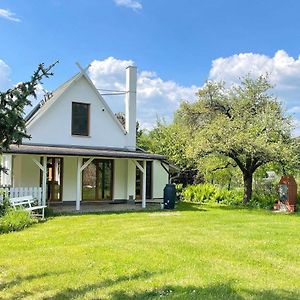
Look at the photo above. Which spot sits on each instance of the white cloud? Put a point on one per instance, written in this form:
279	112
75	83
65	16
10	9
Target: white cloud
283	70
5	82
7	14
155	97
133	4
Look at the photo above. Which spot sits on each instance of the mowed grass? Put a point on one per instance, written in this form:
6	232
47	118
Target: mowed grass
192	253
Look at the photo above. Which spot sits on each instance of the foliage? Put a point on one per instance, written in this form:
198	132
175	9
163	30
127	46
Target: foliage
209	193
49	212
15	220
264	195
12	104
121	117
194	252
244	124
179	189
4	206
219	170
171	141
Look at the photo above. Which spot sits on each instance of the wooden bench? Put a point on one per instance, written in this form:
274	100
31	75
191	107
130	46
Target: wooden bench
28	203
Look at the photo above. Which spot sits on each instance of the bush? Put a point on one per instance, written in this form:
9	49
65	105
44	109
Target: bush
15	220
4	206
263	196
49	212
209	193
179	189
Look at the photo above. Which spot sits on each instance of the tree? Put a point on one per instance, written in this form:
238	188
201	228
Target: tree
218	169
121	117
243	123
171	141
12	104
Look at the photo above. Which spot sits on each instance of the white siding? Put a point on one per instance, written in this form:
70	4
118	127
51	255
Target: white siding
120	179
54	125
160	179
70	178
25	172
131	179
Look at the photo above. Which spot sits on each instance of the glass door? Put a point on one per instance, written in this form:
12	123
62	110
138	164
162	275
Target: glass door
54	178
105	180
97	180
139	181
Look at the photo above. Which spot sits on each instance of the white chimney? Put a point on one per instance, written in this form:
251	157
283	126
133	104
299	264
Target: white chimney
130	106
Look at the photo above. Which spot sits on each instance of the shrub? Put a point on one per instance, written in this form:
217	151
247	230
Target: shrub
4	206
15	220
260	199
264	196
208	193
49	212
200	193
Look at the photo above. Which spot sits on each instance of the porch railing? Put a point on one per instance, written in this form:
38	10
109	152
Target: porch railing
11	192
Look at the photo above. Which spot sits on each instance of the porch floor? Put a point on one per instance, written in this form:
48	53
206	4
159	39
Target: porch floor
101	207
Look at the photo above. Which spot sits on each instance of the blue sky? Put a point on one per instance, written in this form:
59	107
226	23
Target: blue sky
176	44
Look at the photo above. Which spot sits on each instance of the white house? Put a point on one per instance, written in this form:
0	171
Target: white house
79	151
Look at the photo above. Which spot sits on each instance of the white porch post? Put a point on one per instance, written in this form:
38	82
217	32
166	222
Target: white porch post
143	170
6	178
144	186
44	180
78	192
43	168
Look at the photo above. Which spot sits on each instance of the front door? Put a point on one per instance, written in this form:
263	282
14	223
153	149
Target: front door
97	180
54	178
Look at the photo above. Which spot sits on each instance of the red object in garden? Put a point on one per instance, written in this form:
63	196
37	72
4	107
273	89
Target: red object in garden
287	194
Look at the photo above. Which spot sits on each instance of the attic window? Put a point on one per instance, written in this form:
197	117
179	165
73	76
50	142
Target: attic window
80	118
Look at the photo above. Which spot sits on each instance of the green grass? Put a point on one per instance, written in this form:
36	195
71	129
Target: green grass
192	253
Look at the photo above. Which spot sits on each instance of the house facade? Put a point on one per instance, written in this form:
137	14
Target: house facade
80	152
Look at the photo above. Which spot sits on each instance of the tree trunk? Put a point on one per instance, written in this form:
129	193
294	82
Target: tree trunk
248	179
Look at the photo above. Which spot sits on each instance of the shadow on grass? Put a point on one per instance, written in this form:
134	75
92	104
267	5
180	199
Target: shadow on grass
81	292
188	206
214	291
20	279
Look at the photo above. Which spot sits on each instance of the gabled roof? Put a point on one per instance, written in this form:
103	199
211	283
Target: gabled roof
42	107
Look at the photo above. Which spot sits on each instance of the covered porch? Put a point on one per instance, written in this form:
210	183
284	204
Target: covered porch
77	178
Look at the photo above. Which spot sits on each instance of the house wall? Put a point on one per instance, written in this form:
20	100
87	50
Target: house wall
120	179
54	125
131	178
160	179
70	179
25	172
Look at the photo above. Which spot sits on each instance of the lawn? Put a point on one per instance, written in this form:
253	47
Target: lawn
194	252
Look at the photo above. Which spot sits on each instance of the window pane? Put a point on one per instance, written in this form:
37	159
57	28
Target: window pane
105	179
89	182
80	118
149	180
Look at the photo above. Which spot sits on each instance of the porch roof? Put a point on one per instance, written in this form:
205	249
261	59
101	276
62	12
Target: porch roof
68	150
